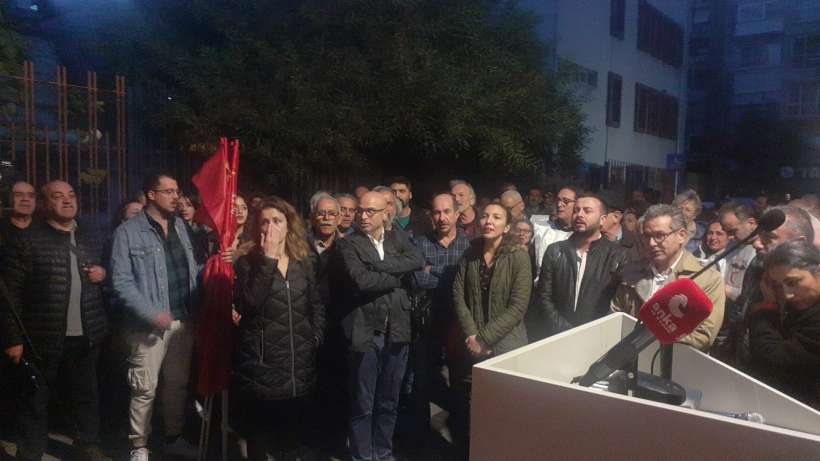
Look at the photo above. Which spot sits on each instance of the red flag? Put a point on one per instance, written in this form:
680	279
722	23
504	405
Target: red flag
217	183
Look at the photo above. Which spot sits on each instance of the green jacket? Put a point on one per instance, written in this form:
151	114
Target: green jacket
509	297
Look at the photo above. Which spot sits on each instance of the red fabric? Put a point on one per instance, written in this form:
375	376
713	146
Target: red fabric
217	183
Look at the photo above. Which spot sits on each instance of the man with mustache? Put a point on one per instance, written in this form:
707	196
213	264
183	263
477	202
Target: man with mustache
664	235
154	275
54	279
578	275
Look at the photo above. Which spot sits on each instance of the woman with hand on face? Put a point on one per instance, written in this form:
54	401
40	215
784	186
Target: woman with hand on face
491	293
281	328
784	328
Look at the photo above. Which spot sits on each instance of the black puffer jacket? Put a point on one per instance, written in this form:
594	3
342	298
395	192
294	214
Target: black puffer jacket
37	273
281	328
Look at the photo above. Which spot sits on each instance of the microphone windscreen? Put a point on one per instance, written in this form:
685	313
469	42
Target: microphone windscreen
771	220
675	310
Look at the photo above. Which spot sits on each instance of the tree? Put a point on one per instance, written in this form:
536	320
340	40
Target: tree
11	56
324	86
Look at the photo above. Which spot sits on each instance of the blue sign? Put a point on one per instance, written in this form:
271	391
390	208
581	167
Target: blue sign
675	162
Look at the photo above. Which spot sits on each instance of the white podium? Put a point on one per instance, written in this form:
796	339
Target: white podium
524	408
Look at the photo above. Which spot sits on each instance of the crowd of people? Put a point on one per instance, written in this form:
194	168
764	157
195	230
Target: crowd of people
351	320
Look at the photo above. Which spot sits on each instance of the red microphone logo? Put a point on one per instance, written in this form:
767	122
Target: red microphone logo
675	310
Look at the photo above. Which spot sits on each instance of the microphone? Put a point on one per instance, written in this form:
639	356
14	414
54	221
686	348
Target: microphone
672	312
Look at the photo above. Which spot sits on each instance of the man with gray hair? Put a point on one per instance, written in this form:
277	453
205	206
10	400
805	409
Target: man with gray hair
393	208
512	201
689	202
664	235
347	213
468	221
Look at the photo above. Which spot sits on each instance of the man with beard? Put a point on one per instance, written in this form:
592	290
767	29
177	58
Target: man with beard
468	222
578	275
154	275
415	220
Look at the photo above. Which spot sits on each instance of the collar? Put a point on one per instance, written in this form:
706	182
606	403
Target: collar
377	242
668	272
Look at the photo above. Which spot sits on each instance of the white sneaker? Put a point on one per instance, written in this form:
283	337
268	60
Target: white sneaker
181	448
139	454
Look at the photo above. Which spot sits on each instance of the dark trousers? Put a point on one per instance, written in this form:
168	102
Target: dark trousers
73	371
375	382
273	427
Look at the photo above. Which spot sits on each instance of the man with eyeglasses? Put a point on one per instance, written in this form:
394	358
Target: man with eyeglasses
154	275
347	213
375	317
578	275
664	235
324	221
23	202
549	230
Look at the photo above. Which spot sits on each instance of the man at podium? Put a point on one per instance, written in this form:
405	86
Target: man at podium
664	235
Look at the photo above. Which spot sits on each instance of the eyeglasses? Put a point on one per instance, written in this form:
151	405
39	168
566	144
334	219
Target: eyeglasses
368	211
346	210
565	201
167	191
659	238
326	214
512	207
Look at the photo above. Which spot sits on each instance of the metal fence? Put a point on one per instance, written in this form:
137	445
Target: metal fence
53	129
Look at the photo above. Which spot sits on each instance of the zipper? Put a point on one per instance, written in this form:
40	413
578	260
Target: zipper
292	347
262	336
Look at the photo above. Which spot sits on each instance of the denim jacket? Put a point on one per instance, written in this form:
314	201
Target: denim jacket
138	272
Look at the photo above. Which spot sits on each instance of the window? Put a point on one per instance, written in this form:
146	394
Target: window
578	74
659	36
803	99
759	11
656	113
613	99
806	51
753	55
808	10
617	13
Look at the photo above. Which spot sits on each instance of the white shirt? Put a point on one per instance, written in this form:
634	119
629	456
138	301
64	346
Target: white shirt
544	236
660	279
379	244
581	261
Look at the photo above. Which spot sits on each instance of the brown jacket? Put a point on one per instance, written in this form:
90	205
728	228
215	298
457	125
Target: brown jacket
636	286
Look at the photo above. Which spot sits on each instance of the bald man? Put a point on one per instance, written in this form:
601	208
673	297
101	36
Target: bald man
375	318
54	280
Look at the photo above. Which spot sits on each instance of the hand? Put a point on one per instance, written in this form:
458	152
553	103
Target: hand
163	321
428	269
15	353
477	347
235	317
270	242
96	274
227	255
768	289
